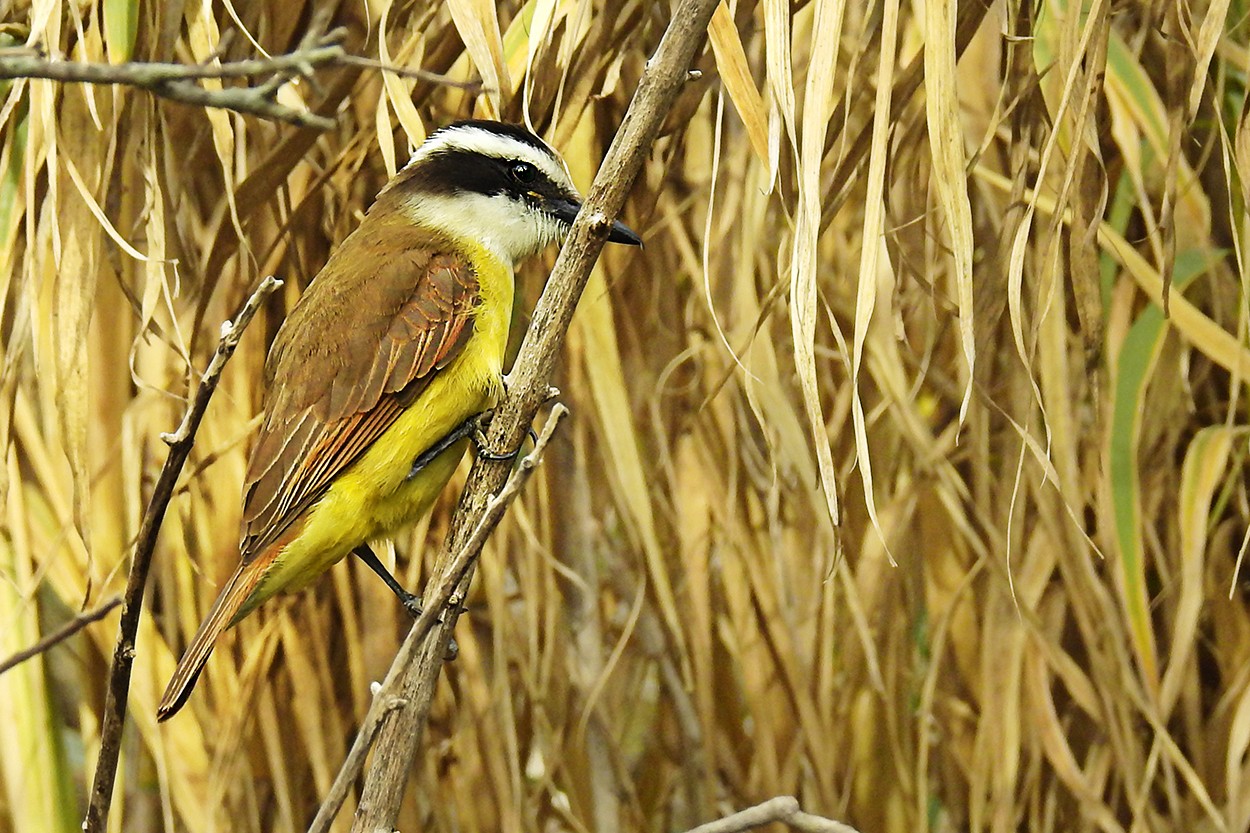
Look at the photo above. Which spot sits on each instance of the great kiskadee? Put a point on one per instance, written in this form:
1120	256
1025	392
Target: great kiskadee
398	342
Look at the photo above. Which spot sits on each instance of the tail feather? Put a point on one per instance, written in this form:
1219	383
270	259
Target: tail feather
222	615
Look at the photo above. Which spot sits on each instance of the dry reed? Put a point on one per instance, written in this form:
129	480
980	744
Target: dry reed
888	482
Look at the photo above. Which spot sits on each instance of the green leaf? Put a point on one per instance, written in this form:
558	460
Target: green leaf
121	25
1135	366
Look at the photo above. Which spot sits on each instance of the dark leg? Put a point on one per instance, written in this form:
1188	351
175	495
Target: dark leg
411	603
464	429
471	427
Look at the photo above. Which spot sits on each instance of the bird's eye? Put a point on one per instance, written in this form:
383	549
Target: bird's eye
524	172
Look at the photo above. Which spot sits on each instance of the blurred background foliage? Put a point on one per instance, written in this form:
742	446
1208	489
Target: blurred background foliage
891	482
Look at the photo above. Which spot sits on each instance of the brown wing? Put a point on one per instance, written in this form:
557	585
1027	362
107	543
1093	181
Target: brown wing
354	353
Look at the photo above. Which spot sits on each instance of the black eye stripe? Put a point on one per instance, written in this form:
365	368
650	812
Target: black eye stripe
458	170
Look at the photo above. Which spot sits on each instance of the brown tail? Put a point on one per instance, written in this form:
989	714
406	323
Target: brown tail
229	602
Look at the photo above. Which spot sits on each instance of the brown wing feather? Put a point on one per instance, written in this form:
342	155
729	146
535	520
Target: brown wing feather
354	353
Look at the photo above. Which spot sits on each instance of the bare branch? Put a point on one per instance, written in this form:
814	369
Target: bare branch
176	82
31	63
418	74
783	808
180	443
442	595
61	634
774	809
381	708
417	670
808	823
231	331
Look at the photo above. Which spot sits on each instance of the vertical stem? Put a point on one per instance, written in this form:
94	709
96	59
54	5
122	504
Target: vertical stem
180	443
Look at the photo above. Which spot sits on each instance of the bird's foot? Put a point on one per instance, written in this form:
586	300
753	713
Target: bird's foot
482	446
411	603
475	428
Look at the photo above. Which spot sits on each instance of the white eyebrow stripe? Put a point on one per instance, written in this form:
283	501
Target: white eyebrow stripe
477	140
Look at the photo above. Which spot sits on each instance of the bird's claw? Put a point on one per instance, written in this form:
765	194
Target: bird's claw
475	428
480	443
412	604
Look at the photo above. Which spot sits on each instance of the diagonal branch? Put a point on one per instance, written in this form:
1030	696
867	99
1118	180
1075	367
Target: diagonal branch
438	597
180	442
665	73
61	634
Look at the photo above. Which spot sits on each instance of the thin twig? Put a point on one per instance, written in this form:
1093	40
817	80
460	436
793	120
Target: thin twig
663	78
475	87
783	808
61	634
441	596
180	443
231	332
177	82
31	63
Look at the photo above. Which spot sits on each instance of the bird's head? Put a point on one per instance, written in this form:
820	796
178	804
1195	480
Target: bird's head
493	182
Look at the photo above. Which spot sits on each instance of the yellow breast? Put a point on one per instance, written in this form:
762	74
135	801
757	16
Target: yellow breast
376	496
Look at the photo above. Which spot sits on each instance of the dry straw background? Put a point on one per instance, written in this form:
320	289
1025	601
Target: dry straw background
891	306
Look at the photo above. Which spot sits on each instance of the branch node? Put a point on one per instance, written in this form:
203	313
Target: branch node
231	331
599	223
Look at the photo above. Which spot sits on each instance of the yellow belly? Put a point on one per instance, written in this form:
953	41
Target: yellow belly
375	497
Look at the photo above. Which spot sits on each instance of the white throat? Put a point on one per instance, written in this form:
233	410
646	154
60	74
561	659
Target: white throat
510	230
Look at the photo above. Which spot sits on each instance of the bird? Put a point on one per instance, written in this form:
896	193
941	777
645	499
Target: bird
375	380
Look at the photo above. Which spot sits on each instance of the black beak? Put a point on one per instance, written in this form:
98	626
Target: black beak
566	211
622	233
